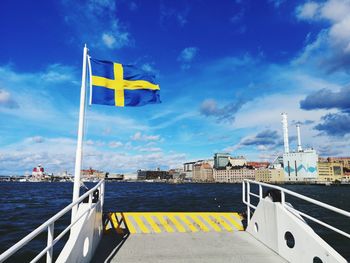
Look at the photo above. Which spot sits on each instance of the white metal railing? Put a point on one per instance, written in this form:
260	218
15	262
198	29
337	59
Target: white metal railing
246	193
49	226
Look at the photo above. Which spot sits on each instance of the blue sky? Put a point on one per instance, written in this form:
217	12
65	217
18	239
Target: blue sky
226	69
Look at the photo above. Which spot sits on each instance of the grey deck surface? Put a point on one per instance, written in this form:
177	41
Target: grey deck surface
185	247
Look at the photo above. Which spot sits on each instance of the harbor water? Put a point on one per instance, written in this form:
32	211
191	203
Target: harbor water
24	206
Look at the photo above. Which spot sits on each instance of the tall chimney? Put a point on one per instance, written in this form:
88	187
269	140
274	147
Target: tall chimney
299	138
285	132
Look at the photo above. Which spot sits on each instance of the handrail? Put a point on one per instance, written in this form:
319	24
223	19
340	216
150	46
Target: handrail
246	200
50	223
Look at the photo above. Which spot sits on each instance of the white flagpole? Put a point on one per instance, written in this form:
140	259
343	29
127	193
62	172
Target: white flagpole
79	152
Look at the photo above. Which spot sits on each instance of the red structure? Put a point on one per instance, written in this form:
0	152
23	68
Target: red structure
258	165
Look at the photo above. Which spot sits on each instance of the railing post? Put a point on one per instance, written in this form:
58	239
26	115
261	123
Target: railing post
50	234
248	202
260	192
283	198
243	192
102	193
90	200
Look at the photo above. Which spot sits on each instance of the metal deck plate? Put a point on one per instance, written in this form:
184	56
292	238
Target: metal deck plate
237	246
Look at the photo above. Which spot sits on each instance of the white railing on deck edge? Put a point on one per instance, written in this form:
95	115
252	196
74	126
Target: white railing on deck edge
246	193
49	225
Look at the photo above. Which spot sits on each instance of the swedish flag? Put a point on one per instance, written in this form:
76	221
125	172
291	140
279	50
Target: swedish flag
121	85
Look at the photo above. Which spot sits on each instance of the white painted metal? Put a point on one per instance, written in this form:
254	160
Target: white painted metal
79	152
300	149
49	225
285	132
90	79
50	235
274	219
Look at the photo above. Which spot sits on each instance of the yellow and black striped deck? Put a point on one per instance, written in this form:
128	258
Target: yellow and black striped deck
171	222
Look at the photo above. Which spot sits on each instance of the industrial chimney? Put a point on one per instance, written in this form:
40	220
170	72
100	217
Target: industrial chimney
299	138
285	132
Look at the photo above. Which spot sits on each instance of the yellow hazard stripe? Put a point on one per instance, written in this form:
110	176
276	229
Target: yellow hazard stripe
222	222
129	224
164	223
141	225
187	222
232	221
176	223
201	225
212	224
157	222
152	223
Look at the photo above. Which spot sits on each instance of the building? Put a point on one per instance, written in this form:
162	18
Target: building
237	161
258	165
269	175
203	172
330	171
221	160
277	163
177	174
300	165
345	161
92	174
277	175
233	175
188	169
153	175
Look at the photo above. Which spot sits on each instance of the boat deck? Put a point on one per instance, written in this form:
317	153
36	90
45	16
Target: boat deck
216	247
179	237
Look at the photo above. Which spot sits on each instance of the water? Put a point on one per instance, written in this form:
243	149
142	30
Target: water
24	206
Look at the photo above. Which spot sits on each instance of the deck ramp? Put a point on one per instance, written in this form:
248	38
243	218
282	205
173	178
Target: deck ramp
163	237
174	222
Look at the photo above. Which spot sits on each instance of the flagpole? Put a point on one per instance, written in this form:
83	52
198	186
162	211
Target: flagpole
79	152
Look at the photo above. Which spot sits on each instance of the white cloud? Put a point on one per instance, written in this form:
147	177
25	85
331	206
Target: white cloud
277	3
308	11
59	73
188	54
331	48
6	100
150	149
138	136
108	40
58	155
36	139
96	22
115	144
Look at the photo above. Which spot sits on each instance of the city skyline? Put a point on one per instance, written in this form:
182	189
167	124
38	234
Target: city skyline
226	71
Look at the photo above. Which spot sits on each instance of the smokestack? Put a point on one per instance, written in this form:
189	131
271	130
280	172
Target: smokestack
299	138
285	132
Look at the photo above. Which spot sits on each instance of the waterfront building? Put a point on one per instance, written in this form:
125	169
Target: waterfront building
345	161
263	175
237	161
177	173
153	175
221	160
188	169
90	174
330	171
270	175
300	165
233	175
258	165
277	163
203	172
